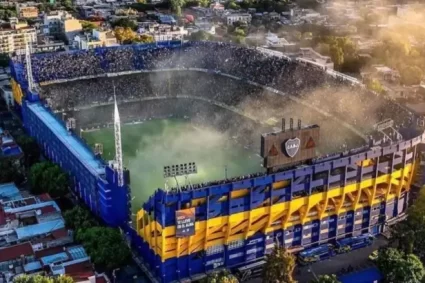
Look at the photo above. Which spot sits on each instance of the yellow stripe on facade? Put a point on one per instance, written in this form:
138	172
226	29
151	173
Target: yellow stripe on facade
240	226
17	91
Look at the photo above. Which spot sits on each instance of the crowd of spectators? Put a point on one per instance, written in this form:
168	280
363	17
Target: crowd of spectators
202	77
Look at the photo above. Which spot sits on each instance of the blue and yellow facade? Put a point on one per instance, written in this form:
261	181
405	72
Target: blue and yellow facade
239	222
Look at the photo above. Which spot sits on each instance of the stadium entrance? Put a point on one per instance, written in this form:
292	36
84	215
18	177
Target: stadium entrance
151	145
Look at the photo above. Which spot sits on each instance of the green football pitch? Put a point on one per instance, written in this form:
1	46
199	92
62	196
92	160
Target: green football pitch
150	146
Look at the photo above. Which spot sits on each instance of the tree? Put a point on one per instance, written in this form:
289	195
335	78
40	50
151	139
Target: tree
124	23
176	6
203	3
232	5
409	235
42	279
397	266
30	149
375	86
200	36
124	34
279	266
4	60
326	279
221	277
105	247
9	172
411	75
144	38
46	177
79	219
88	26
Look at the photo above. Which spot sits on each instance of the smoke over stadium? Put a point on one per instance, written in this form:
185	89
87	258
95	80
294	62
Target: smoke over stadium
220	105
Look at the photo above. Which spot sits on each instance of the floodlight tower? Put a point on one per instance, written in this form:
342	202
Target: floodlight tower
118	147
31	84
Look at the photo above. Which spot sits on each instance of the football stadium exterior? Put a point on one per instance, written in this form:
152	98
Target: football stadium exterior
228	224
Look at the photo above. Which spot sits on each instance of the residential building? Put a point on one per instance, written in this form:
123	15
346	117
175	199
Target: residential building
15	35
48	44
98	38
61	23
161	32
34	239
9	149
233	18
27	11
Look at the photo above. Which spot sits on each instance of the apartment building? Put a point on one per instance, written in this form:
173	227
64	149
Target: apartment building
27	11
61	23
98	38
14	37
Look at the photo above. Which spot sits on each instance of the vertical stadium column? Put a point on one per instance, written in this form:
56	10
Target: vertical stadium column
286	217
375	181
268	191
248	227
179	205
326	200
307	205
206	227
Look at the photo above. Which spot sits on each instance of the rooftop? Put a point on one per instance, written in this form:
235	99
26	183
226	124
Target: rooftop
31	231
9	192
85	155
16	251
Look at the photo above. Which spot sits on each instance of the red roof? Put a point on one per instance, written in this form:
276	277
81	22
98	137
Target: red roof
60	233
47	209
101	279
16	251
44	197
2	217
48	251
79	268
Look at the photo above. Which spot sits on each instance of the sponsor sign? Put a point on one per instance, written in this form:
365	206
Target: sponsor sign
185	222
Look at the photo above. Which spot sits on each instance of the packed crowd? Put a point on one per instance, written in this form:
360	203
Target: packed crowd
304	83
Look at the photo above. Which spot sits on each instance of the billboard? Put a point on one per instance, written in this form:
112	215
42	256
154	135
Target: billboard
185	222
290	146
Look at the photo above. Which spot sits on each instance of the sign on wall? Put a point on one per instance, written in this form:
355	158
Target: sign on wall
185	222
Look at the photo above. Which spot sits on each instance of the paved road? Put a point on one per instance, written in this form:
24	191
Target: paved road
358	259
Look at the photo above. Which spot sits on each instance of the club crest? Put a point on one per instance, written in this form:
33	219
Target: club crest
292	146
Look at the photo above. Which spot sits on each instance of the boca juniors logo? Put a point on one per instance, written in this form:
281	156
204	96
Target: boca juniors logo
292	146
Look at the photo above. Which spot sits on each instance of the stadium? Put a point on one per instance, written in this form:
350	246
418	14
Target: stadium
310	156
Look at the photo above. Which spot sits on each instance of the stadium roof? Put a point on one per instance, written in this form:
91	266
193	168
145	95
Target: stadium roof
85	155
39	229
9	192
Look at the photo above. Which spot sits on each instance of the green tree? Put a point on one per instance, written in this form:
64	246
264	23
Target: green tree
42	279
105	247
4	60
409	235
326	279
411	75
30	149
221	277
200	36
9	172
203	3
375	85
144	38
46	177
397	266
279	266
232	5
125	23
176	6
88	26
79	219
